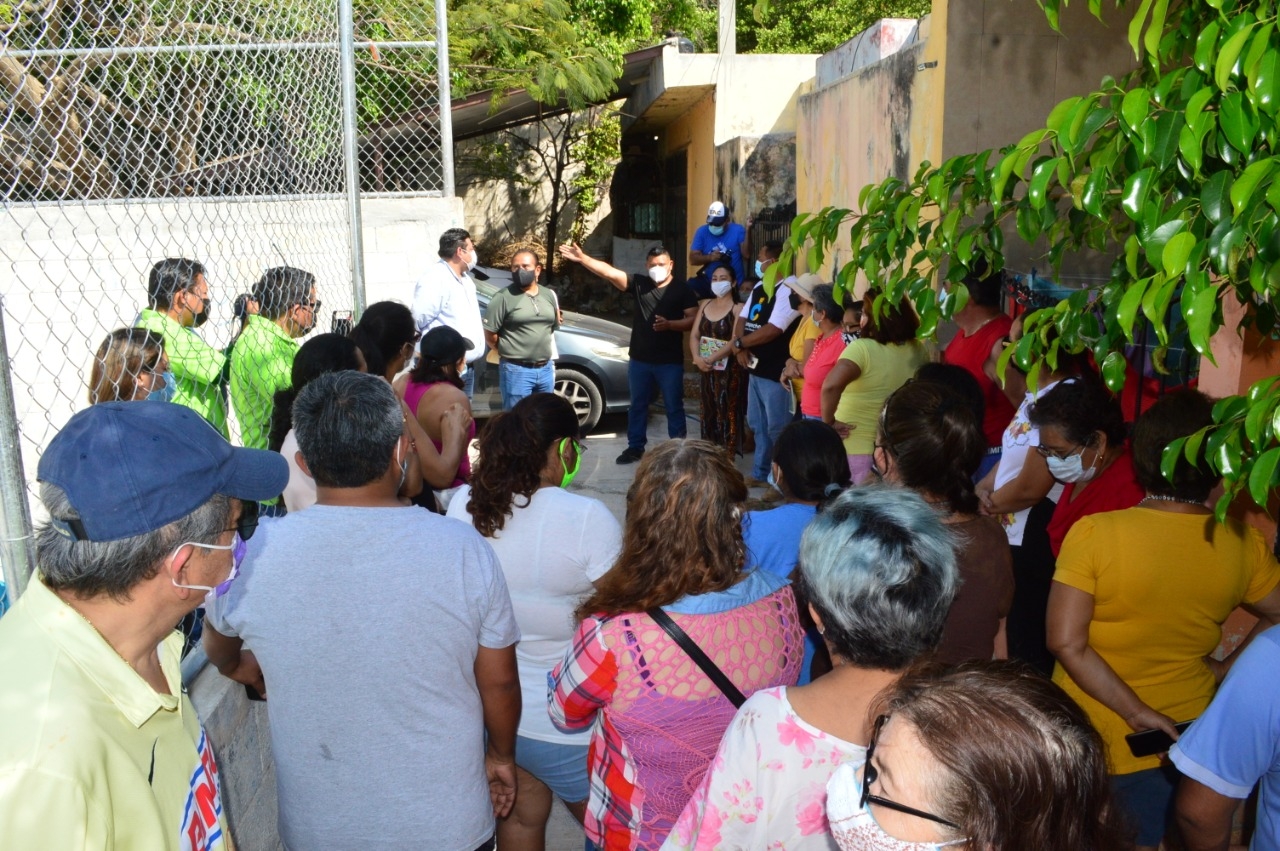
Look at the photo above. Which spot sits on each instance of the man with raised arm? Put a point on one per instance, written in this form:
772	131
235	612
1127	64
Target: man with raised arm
664	309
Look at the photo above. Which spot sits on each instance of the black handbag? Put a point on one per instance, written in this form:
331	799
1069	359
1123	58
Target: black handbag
703	661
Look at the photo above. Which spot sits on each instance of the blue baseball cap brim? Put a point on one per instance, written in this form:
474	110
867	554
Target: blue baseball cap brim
129	468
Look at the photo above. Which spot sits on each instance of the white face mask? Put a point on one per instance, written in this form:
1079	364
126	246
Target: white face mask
474	261
719	288
238	549
853	826
658	274
1071	469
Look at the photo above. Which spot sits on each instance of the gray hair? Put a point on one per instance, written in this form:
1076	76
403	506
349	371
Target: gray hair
114	568
347	425
879	567
824	302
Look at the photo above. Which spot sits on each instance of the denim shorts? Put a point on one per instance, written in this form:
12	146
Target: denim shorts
562	767
1147	800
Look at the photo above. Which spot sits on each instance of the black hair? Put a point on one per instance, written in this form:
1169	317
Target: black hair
1178	414
450	241
1080	408
383	330
537	261
321	354
959	380
282	288
935	442
169	277
658	251
984	285
772	248
813	462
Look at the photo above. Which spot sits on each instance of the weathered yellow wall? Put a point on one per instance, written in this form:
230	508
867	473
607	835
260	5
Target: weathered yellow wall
695	132
882	120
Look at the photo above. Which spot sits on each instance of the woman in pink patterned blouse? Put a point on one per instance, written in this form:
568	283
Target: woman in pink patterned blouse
657	717
878	569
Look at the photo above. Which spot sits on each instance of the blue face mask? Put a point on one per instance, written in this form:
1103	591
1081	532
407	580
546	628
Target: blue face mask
759	270
165	393
716	230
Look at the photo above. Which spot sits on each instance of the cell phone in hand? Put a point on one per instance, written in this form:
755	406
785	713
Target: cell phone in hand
1152	742
341	323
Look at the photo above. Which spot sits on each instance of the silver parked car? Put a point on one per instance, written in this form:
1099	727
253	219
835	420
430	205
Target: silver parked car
591	369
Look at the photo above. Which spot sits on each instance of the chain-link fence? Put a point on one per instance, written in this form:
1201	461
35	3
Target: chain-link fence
232	132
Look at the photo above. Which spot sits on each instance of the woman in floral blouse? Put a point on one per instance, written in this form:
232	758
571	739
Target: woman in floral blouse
878	569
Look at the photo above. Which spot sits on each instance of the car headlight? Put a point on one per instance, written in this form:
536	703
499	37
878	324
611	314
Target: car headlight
608	352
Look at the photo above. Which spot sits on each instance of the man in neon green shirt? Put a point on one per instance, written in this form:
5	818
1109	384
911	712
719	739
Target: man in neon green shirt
178	296
100	746
262	360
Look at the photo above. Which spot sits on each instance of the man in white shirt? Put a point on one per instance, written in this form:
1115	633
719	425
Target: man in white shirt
446	295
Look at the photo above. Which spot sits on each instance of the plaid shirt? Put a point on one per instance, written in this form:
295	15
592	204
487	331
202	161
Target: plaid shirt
580	687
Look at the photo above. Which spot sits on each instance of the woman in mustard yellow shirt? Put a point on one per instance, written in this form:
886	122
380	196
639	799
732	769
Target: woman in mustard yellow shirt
1137	606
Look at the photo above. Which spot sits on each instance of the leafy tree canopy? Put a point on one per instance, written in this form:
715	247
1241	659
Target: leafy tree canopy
814	26
1174	168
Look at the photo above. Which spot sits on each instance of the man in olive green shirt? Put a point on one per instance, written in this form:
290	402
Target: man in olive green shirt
520	324
178	296
262	360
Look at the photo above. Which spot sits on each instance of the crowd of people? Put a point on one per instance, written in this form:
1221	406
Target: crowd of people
979	615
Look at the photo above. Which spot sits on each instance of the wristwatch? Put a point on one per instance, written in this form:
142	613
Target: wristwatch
737	343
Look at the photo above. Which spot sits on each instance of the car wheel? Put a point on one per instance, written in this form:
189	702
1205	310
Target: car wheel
583	394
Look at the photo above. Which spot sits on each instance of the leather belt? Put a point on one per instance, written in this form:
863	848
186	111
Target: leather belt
528	364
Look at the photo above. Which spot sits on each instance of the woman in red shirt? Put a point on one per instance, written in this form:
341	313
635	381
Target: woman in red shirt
828	315
1082	439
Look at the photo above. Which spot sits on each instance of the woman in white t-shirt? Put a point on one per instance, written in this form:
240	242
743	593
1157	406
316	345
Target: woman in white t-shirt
552	546
1020	493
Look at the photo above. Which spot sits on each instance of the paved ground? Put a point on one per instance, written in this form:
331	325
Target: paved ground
607	481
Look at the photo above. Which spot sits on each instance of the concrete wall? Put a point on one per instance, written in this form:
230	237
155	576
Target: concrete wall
758	93
757	172
1006	69
982	74
71	274
503	211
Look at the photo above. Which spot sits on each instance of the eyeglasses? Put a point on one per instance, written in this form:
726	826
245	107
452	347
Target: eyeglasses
1061	455
869	775
247	524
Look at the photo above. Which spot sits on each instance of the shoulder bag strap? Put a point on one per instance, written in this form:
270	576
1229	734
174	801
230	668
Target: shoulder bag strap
703	661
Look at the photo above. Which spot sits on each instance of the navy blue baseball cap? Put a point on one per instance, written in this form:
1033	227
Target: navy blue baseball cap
129	468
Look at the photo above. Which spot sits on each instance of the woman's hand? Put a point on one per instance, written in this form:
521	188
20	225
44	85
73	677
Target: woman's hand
793	369
456	419
702	364
842	429
1146	718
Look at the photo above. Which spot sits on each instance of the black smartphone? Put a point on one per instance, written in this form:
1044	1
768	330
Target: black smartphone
341	323
1152	742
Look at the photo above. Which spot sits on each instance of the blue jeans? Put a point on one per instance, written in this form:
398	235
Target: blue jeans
469	380
768	413
670	380
516	381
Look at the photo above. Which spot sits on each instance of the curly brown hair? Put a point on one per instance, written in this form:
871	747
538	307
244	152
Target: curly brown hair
513	453
683	534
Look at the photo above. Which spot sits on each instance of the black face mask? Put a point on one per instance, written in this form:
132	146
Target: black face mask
524	278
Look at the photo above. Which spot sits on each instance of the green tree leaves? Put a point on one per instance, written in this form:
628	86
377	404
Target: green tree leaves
1175	167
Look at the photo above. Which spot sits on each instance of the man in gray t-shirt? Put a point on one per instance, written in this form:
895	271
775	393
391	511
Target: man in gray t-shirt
385	640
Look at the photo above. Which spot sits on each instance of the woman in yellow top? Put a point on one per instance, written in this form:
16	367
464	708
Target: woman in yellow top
1138	602
871	368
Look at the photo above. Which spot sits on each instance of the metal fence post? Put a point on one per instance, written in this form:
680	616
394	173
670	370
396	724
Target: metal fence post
17	548
444	98
351	150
